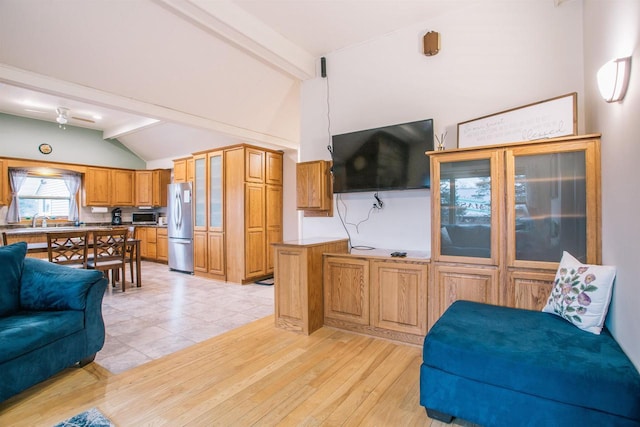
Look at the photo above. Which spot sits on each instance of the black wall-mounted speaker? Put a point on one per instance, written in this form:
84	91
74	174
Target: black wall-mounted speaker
323	67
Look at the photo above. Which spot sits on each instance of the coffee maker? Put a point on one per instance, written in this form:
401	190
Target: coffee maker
116	216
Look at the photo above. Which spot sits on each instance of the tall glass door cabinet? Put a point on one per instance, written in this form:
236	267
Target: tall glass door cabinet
503	215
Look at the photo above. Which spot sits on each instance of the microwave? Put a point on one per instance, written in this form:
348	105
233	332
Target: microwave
142	218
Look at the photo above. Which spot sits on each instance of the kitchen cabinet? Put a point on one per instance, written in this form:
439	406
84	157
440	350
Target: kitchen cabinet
299	299
97	187
504	215
200	193
148	242
122	187
151	187
252	209
162	245
215	255
377	295
200	251
109	187
4	183
180	170
313	187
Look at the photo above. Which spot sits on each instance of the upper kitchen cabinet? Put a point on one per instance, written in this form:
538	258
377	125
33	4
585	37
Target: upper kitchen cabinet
122	187
4	183
151	187
109	187
97	187
180	170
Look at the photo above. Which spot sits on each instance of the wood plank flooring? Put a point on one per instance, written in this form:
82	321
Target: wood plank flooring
253	375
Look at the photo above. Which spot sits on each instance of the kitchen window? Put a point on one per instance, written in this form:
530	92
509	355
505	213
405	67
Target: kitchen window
44	196
43	192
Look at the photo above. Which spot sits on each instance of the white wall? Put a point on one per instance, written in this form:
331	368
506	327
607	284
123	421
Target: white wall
495	55
612	30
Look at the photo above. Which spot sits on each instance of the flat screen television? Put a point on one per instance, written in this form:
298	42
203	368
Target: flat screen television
386	158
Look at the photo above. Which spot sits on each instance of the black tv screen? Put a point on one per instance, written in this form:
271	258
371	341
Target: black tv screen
386	158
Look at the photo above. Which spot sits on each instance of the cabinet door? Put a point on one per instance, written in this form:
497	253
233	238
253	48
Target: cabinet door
161	179
144	188
529	290
456	282
180	170
399	296
216	253
162	245
191	170
216	191
346	290
97	187
312	191
466	207
141	234
254	165
200	253
274	222
122	193
291	289
4	180
200	194
255	230
273	166
552	204
152	242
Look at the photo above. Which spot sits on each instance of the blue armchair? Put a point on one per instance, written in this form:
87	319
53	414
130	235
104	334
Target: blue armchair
50	318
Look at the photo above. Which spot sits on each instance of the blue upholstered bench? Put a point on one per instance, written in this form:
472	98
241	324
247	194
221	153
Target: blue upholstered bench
499	366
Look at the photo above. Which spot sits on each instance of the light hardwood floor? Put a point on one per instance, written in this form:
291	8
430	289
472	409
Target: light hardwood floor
253	375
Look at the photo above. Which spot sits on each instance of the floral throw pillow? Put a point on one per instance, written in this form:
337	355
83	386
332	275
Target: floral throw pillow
581	293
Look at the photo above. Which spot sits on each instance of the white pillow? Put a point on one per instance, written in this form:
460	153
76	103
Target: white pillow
581	293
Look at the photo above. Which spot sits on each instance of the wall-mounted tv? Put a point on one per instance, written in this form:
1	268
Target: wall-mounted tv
386	158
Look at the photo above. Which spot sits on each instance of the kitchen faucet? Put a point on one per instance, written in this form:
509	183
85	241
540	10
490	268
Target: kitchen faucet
34	220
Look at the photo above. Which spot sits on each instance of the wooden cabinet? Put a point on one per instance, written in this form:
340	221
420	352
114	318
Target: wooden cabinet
238	208
377	296
503	215
162	245
180	170
346	291
97	187
200	251
398	296
148	242
4	184
151	187
253	211
144	188
109	187
183	170
122	187
298	282
313	186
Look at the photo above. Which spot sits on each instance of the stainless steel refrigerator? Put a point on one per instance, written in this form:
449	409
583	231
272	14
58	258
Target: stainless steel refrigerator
180	227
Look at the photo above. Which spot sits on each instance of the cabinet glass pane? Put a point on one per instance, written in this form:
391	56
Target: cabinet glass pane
200	193
551	205
465	208
215	191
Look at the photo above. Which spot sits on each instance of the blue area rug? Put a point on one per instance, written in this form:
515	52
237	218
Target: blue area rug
90	418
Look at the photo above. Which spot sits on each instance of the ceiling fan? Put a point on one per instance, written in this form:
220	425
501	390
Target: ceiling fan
63	117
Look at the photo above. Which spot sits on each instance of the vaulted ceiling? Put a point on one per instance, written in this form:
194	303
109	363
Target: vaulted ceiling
171	77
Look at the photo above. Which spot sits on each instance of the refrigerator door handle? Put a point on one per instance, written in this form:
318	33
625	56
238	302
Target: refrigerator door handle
178	211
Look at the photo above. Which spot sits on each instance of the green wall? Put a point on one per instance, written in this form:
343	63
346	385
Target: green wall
20	138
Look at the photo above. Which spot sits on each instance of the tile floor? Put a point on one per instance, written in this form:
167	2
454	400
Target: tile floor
172	311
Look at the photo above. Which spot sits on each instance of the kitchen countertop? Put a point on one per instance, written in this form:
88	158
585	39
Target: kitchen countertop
14	231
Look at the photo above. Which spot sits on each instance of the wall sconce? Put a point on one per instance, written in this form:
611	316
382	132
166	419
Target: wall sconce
613	79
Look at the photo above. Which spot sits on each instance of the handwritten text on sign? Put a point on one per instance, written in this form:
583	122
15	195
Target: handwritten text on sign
546	119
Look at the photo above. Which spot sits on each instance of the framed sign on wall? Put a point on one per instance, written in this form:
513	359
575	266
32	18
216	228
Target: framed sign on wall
550	118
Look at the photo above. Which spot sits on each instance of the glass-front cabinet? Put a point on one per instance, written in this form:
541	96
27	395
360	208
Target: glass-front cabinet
503	215
215	191
466	207
200	192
